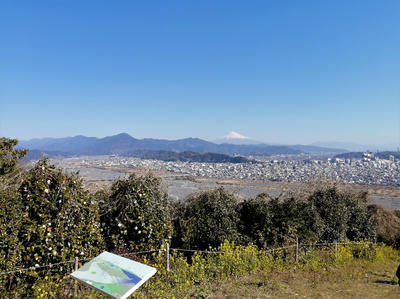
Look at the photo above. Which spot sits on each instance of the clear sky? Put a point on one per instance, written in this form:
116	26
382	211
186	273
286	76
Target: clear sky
276	71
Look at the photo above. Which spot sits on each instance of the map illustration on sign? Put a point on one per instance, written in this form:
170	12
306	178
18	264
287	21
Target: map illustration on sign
114	275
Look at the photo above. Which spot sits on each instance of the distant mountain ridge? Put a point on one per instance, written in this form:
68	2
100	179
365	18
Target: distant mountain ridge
353	147
123	144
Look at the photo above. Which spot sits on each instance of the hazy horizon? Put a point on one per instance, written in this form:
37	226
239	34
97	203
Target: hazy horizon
277	72
229	139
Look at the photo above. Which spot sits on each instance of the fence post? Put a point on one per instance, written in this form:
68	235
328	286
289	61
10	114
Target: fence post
297	249
76	283
167	247
335	249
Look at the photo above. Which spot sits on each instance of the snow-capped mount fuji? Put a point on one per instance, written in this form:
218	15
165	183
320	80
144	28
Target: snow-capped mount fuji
234	135
236	138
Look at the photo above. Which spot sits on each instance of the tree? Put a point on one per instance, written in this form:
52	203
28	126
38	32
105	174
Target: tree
209	218
344	215
362	222
256	220
135	214
11	250
10	211
9	156
289	219
60	219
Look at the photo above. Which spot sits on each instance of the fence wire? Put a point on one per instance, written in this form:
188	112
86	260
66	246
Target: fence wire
271	250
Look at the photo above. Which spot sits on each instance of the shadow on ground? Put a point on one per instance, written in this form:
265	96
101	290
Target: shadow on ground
385	281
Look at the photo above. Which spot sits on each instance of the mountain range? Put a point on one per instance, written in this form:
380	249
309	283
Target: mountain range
125	145
354	147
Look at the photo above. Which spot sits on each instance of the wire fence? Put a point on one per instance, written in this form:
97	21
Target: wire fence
297	247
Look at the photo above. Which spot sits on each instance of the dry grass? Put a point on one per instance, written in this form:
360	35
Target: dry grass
360	280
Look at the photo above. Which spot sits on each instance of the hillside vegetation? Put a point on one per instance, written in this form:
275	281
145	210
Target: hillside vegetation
48	218
189	156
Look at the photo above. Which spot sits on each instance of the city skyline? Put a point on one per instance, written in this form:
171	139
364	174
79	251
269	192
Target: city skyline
274	71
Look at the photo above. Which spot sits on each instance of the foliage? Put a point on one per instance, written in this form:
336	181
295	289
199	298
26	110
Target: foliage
388	225
59	220
9	156
11	250
344	215
135	214
362	222
10	211
207	219
228	261
256	220
268	221
327	215
188	156
178	209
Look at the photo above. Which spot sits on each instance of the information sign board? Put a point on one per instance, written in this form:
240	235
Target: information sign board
114	275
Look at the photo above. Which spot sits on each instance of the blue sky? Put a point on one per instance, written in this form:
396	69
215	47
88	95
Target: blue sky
276	71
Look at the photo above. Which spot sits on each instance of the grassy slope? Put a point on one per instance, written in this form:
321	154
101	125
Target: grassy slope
358	280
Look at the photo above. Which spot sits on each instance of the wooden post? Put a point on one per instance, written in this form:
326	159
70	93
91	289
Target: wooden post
297	249
335	249
167	256
76	283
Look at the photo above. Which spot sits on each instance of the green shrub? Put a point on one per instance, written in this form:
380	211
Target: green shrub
59	219
343	215
11	250
267	221
256	220
135	214
207	219
9	157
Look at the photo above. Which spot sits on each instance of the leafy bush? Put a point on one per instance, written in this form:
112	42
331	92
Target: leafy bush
267	221
343	215
362	222
256	220
9	157
388	225
59	220
11	250
135	214
207	219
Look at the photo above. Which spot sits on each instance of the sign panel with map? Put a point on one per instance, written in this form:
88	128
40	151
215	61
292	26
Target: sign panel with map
114	275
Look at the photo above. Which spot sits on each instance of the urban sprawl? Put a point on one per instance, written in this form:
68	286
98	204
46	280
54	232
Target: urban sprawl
369	171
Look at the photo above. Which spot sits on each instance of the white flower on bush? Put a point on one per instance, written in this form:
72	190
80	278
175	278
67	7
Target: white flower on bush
46	190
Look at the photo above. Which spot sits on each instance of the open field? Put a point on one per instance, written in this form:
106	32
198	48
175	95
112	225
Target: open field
352	281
